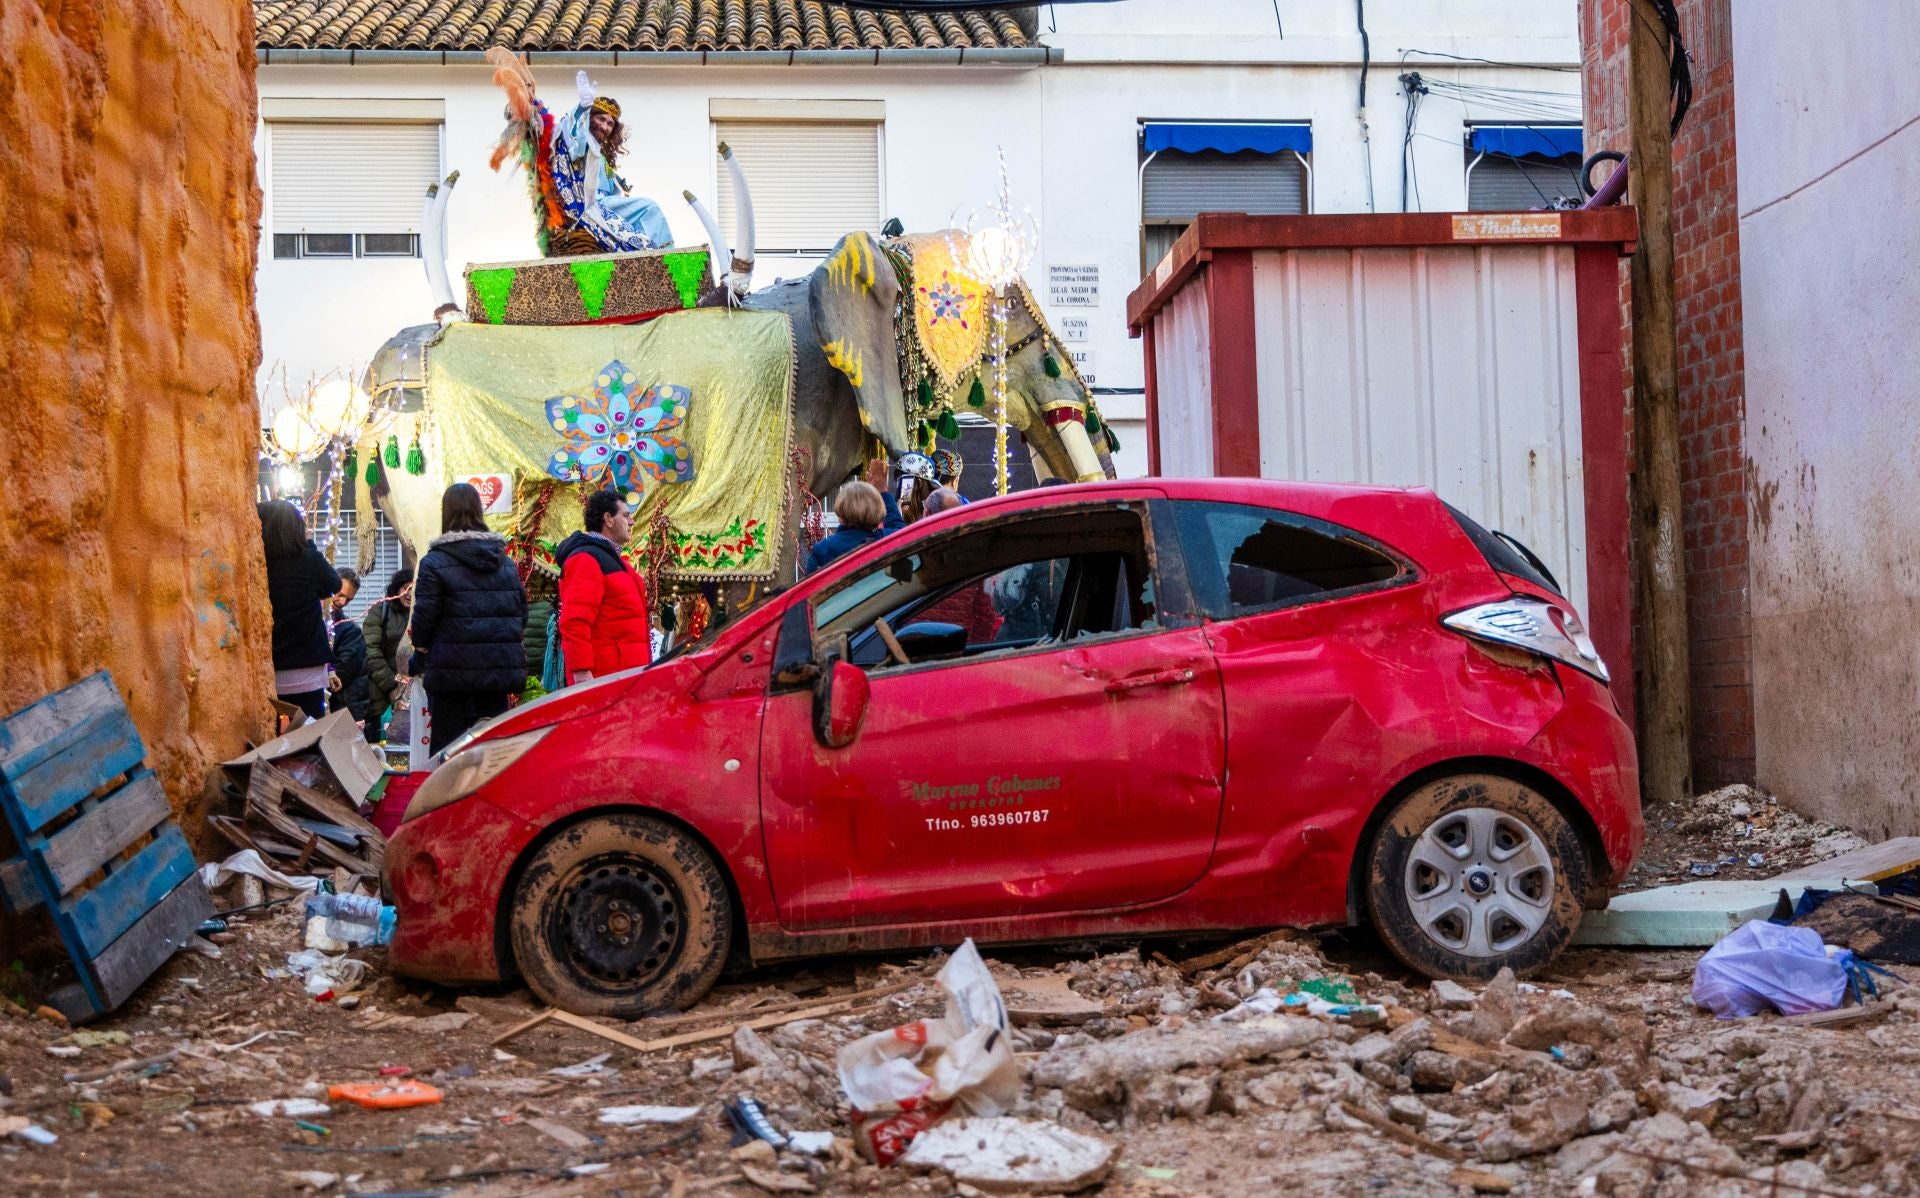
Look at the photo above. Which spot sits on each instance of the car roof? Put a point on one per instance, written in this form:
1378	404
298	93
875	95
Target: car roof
1337	502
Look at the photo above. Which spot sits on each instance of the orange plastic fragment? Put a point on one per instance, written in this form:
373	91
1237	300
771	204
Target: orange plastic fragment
385	1096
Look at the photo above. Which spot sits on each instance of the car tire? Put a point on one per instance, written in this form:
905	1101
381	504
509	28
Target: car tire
1473	873
621	915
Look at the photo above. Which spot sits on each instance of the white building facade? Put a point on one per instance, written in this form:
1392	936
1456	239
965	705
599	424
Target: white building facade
1118	122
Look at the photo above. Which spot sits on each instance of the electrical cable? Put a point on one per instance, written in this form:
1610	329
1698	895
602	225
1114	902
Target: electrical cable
1360	114
1413	87
1679	73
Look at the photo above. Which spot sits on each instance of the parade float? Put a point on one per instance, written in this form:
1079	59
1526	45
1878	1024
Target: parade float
725	415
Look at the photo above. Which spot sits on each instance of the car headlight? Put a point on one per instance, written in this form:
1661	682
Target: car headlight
468	767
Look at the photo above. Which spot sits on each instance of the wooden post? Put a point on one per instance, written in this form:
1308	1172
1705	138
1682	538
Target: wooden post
1660	582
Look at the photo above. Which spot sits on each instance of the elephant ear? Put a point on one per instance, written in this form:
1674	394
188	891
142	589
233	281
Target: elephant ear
851	299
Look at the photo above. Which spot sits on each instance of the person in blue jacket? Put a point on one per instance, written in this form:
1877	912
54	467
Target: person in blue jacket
866	513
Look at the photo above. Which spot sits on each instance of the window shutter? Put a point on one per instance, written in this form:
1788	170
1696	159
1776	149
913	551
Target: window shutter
1179	186
1502	184
813	182
341	177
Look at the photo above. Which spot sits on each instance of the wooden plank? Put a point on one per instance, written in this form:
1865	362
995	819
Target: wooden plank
99	917
18	891
266	791
130	960
35	733
1871	863
109	748
1405	1135
77	850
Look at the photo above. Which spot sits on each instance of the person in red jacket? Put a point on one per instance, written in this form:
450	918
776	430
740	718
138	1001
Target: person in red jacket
603	604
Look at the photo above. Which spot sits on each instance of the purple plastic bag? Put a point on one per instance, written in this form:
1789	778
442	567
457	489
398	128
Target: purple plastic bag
1765	966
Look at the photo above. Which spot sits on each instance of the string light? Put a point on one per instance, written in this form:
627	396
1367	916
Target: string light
329	416
997	245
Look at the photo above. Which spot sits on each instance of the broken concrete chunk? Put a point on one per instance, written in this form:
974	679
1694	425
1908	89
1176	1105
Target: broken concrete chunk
1375	1047
1451	996
1405	1108
1538	1127
1691	1105
1098	1076
1009	1155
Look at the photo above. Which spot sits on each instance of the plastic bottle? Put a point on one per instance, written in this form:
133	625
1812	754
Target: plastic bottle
353	918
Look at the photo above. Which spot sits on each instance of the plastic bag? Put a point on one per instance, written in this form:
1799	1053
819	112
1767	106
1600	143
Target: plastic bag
902	1082
1766	966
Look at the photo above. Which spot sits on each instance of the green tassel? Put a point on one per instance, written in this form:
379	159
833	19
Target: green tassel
1093	423
393	452
373	471
1113	441
416	460
351	466
926	437
947	426
926	393
976	395
1053	366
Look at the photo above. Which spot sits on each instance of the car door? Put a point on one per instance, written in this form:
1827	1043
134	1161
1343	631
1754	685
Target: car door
1315	630
1072	763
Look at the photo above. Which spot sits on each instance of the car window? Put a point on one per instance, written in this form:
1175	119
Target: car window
1503	552
1244	559
1008	585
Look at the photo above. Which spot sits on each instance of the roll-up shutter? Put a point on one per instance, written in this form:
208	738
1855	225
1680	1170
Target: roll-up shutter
813	182
1178	187
1502	184
344	177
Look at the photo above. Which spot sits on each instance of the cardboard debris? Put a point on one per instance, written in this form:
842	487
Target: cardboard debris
356	766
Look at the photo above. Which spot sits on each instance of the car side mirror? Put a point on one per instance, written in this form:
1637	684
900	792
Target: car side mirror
839	703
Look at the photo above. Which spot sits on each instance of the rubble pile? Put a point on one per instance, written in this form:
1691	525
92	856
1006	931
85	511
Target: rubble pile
1735	832
1261	1067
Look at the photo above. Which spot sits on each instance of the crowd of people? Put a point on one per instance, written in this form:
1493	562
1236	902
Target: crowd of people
465	625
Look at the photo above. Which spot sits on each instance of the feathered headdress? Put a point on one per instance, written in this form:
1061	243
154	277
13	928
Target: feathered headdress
528	138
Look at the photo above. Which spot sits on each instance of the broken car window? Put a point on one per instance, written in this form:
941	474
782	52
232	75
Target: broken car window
1246	559
1030	580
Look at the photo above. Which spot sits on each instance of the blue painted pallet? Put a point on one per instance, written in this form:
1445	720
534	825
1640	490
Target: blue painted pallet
98	846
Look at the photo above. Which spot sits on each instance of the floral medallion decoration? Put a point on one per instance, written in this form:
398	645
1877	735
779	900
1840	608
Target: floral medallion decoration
609	434
949	311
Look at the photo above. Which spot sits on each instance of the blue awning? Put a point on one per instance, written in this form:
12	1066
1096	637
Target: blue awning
1553	141
1229	139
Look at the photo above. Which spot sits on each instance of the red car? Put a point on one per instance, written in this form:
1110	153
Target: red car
1174	706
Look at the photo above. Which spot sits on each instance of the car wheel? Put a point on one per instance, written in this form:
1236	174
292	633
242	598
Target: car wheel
621	916
1473	873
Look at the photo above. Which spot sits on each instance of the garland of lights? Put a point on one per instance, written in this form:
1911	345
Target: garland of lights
997	245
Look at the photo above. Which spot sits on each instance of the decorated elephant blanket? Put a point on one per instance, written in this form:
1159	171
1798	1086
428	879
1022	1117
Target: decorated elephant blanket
691	414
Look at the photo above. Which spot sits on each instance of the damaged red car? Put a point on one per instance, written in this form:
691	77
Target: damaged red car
1116	710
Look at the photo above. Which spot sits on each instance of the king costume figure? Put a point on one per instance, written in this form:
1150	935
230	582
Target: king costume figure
590	141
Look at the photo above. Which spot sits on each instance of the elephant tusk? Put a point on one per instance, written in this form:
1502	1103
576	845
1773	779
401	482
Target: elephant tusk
1079	447
433	249
717	252
740	270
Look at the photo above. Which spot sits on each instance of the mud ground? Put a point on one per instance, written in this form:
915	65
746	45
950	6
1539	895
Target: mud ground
1599	1077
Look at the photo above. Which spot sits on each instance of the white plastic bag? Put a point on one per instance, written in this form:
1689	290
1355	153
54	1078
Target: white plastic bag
904	1081
1766	966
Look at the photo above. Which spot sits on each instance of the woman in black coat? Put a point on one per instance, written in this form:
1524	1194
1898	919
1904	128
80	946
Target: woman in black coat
469	615
382	629
299	582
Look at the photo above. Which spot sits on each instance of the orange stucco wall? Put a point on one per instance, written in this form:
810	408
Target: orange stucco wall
128	344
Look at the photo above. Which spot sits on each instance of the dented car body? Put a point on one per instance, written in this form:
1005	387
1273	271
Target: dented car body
1172	706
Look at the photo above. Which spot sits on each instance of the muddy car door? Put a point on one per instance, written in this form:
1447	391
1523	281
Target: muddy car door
1029	736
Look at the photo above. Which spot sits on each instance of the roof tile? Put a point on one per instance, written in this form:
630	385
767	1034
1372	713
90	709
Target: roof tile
618	25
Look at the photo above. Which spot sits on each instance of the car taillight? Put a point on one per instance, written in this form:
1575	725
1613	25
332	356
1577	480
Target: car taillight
1548	629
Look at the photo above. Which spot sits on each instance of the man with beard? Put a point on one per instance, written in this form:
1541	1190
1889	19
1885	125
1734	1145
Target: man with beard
587	145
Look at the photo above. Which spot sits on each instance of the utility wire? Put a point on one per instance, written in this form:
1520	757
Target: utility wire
1679	73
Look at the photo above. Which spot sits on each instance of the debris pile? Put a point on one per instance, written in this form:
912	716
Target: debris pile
299	799
1735	832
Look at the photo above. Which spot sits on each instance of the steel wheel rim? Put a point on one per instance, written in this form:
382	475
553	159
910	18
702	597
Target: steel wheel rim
618	922
1480	882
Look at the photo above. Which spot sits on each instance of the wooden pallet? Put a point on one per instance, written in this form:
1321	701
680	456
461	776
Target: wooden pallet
98	845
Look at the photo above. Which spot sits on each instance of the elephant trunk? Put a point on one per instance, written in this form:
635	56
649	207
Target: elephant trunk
740	271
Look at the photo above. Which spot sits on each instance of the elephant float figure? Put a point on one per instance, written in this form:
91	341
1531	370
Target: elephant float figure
865	369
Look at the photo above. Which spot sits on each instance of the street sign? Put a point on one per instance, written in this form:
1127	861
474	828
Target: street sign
1073	285
1074	328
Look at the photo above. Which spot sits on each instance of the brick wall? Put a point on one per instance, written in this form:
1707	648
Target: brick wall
1710	368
